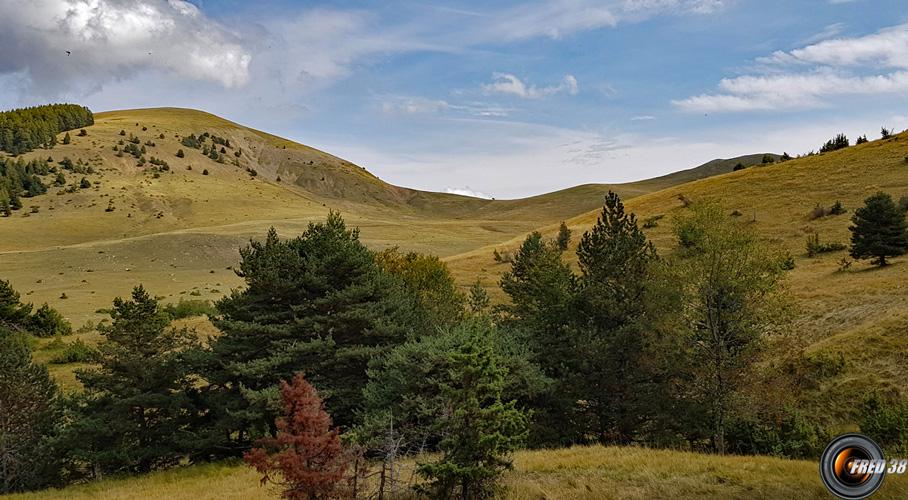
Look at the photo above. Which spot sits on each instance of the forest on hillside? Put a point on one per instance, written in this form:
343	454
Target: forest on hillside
26	129
335	361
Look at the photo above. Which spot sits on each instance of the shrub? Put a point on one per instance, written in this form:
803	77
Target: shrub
903	203
885	133
837	208
47	322
205	172
839	142
862	140
739	166
75	352
180	153
815	247
790	434
736	213
768	158
122	132
652	222
190	308
787	262
886	422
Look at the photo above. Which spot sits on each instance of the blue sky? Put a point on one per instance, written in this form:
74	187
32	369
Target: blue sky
501	99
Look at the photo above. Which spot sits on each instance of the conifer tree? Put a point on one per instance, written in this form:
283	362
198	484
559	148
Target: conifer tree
879	230
29	413
306	452
66	139
564	237
136	406
316	304
481	429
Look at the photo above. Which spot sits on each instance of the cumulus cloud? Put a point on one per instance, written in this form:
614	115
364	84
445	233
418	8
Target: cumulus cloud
506	83
801	78
58	44
466	191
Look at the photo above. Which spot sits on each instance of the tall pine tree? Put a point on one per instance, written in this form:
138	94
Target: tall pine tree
135	410
317	304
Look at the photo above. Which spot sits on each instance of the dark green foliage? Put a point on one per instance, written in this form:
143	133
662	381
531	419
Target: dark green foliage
122	132
19	178
879	230
886	422
14	315
791	434
205	171
84	183
785	157
837	208
481	429
191	142
75	352
29	416
180	153
407	387
22	130
614	259
67	139
885	133
903	203
839	142
563	240
47	322
317	304
816	247
738	166
133	413
767	158
862	140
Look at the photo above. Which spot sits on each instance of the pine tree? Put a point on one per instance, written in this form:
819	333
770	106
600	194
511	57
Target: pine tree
879	230
564	237
614	259
29	400
317	304
480	428
134	411
13	313
479	299
84	183
67	139
180	153
306	451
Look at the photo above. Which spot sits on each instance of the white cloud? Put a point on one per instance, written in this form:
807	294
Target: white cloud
802	78
466	191
59	44
643	118
506	83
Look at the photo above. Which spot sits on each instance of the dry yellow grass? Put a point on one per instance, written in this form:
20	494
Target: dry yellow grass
594	472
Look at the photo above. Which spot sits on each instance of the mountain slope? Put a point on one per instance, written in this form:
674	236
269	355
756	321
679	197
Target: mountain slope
177	227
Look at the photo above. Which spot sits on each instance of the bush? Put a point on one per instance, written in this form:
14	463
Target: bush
739	166
885	133
767	158
886	422
839	142
815	247
205	172
862	140
903	203
180	153
502	257
837	208
787	262
75	352
190	308
652	222
790	434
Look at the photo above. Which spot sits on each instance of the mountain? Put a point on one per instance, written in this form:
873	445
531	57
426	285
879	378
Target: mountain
176	225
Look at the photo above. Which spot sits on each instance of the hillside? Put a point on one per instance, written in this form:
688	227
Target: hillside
594	472
849	329
178	229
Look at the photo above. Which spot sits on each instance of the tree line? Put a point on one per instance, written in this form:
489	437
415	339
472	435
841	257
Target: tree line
26	129
335	354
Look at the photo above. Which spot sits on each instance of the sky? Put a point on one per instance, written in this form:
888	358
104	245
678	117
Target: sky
496	99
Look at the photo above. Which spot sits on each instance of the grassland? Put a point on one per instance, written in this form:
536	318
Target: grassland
573	473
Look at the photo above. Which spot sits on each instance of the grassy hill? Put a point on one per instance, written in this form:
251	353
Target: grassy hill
594	472
177	231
